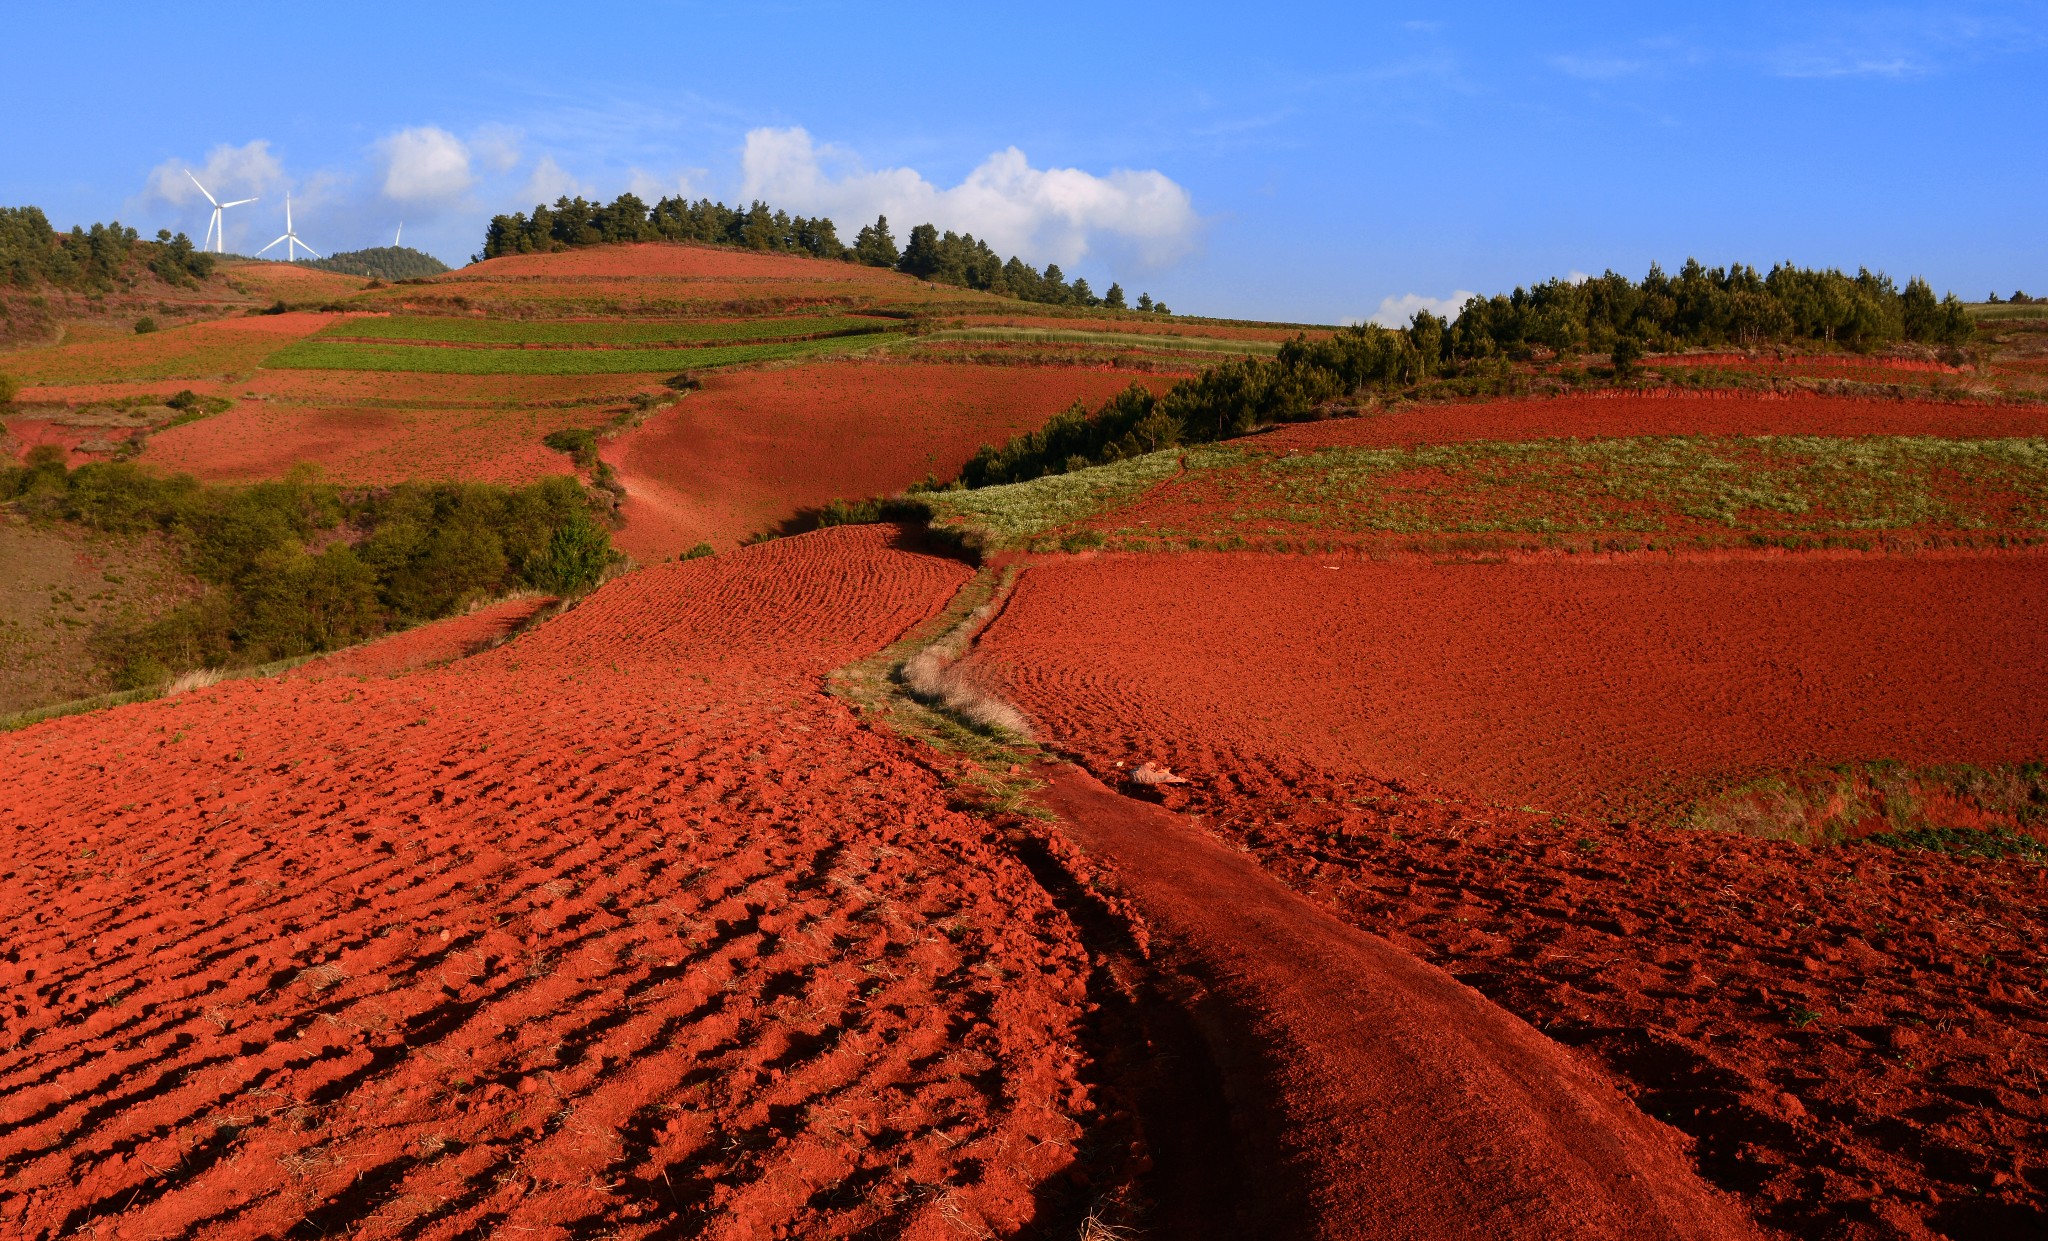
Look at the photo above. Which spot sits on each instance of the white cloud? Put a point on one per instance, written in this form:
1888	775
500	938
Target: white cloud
425	165
238	172
551	181
1400	311
496	147
1044	214
652	187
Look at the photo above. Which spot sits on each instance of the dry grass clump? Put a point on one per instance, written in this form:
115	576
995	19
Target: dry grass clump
198	678
933	679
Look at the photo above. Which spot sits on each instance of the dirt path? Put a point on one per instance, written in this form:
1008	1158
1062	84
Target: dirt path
1370	1094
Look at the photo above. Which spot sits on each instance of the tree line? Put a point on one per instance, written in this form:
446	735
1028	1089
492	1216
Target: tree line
91	260
928	254
302	566
1609	314
381	263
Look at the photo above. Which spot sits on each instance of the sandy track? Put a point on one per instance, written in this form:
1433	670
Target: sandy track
1394	1102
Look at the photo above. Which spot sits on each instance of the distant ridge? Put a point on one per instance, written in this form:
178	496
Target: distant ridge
381	262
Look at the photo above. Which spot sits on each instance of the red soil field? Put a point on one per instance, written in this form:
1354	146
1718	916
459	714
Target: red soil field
669	259
1809	364
1667	412
1846	1032
622	927
377	428
195	351
1609	687
752	448
1168	326
425	645
290	282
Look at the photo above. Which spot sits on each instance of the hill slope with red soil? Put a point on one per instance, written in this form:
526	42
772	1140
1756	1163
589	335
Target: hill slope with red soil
622	926
753	448
1665	412
1846	1032
1602	687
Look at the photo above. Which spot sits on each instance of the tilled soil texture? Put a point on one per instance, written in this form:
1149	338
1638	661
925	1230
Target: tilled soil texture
667	277
364	427
1854	1036
436	642
1623	686
623	927
1664	412
211	350
764	449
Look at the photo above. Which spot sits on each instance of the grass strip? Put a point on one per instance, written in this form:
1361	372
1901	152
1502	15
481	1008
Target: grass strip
470	331
315	354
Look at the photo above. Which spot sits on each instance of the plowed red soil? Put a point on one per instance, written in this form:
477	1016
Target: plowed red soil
1670	412
753	449
623	927
195	351
1852	1035
1618	687
429	644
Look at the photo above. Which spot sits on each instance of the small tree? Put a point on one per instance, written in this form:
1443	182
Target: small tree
1145	303
1114	299
874	245
1628	351
10	387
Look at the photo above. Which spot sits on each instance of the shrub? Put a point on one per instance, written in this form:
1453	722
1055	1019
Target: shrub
579	442
698	552
10	387
145	325
577	556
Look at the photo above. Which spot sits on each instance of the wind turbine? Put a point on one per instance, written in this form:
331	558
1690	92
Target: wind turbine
215	234
291	241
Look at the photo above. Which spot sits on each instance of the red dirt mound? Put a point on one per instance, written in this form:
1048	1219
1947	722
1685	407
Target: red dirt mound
753	448
435	643
1619	686
1671	412
1846	1032
622	927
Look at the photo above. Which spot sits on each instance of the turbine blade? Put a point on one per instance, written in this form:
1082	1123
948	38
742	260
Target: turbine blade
238	202
202	189
310	250
267	248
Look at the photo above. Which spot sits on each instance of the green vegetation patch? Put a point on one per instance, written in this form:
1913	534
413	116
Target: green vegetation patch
316	354
471	331
1772	485
1004	516
281	570
1986	813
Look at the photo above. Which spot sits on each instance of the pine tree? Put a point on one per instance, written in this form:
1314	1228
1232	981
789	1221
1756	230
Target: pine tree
874	246
1114	299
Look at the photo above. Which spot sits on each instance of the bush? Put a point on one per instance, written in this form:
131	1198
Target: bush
579	442
10	387
145	325
698	552
397	556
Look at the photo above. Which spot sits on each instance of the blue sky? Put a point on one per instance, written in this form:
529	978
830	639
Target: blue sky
1299	162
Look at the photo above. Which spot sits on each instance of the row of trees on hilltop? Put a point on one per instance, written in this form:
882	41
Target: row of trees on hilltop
1610	313
1707	306
946	258
91	260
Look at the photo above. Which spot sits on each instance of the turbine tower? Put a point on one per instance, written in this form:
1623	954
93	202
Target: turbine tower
292	244
216	236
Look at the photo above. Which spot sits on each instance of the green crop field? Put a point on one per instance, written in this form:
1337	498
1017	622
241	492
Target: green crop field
1772	485
464	331
316	354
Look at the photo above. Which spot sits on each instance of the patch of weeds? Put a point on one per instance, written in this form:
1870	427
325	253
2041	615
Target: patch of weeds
1990	844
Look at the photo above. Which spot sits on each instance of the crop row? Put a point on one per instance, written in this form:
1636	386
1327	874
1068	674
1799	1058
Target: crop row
352	356
471	331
